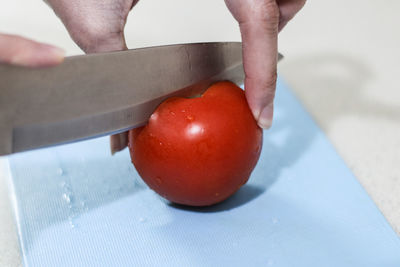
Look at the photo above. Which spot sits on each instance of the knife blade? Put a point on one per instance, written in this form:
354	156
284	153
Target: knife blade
99	94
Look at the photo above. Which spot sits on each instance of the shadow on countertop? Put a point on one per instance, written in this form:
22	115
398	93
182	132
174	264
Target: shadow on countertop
334	84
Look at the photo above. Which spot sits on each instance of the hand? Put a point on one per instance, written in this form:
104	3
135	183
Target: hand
17	50
260	22
97	26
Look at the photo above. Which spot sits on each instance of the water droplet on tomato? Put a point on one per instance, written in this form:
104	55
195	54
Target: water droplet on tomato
190	117
159	181
153	116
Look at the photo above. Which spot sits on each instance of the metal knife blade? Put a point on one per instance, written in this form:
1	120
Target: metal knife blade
99	94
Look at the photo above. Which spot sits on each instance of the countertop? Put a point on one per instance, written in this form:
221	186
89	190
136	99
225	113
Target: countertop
341	60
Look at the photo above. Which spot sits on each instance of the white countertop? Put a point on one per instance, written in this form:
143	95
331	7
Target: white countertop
341	59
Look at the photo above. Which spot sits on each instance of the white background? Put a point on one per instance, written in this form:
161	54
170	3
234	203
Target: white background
342	60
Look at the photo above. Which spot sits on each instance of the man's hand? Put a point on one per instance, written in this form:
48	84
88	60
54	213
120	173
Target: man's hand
260	22
17	50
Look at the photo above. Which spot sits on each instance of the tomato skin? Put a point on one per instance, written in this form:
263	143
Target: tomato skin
198	151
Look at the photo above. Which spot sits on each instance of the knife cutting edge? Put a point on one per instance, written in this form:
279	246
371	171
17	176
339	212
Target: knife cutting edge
99	94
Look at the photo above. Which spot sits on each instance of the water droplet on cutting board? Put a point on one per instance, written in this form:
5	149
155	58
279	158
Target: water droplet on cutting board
60	171
142	220
71	222
83	205
67	198
74	207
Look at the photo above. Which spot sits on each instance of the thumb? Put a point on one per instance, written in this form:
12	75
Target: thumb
17	50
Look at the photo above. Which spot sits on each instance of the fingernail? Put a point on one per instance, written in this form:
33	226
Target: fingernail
265	118
114	144
118	142
56	52
123	140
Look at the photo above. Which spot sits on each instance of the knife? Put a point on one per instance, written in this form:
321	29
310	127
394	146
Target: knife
99	94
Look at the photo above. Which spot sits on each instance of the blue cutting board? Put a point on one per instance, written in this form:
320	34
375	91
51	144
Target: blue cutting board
75	205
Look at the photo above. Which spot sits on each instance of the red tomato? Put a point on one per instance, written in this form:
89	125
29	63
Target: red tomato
198	151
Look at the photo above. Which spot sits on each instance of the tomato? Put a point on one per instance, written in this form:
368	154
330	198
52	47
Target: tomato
198	151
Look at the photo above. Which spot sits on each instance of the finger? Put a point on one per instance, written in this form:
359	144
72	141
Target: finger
96	26
134	3
113	42
288	9
17	50
259	33
97	43
118	142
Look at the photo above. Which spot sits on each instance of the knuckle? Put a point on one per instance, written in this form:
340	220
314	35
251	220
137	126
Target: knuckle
264	14
270	81
266	80
94	27
89	35
266	85
94	35
268	12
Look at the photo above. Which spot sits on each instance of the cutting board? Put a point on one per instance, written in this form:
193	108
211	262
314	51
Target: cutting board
76	205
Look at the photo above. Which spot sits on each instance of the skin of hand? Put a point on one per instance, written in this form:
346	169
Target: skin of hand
17	50
98	26
260	22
